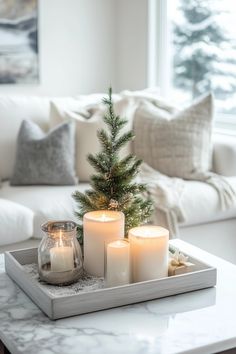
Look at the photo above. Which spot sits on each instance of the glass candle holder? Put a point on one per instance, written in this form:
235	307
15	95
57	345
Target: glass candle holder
117	262
59	253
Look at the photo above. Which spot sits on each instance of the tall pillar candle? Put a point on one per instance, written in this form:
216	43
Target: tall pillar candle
100	227
149	252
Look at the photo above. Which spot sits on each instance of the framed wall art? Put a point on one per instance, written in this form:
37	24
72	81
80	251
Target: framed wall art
19	42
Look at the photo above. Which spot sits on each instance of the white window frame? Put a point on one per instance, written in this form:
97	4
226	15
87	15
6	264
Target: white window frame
159	59
158	46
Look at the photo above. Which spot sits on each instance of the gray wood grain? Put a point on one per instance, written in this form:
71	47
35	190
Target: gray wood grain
204	276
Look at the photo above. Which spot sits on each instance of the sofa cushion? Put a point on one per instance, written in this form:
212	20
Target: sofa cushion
47	202
45	158
177	145
16	222
13	110
201	203
224	155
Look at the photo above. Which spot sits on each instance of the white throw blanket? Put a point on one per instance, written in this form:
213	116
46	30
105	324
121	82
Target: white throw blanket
225	191
166	193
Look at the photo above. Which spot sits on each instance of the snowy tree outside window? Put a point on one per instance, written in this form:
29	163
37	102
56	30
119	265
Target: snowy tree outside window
204	45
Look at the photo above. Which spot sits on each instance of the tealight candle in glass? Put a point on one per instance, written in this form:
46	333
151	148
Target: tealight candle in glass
59	253
117	263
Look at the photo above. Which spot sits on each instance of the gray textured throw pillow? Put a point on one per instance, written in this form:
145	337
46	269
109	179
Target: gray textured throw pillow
45	158
179	144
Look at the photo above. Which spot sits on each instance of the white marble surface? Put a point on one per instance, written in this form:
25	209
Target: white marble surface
199	322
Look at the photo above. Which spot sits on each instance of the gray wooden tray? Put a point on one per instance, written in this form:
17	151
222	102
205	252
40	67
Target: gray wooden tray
58	306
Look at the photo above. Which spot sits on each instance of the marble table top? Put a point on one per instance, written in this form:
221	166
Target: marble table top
203	321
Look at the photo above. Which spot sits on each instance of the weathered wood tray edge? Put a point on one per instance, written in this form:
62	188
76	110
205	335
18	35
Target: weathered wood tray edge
56	308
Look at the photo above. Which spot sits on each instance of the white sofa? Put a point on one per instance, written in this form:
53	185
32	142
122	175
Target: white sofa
206	225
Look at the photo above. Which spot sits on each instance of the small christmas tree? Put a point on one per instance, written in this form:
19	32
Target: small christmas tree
114	186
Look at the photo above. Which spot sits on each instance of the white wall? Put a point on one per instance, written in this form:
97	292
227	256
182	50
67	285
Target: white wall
76	48
86	45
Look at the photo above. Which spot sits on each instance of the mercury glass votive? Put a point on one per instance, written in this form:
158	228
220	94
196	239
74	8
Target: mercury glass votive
59	254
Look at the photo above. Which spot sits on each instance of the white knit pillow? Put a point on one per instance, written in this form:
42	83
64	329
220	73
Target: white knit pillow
177	145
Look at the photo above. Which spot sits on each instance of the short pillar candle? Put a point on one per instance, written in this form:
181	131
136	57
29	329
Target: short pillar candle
117	263
99	227
149	252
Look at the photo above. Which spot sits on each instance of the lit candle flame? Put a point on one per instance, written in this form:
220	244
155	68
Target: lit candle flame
104	217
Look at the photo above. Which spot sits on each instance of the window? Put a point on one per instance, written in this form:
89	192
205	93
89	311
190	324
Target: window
200	54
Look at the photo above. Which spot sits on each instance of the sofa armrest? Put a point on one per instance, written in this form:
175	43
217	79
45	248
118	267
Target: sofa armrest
224	155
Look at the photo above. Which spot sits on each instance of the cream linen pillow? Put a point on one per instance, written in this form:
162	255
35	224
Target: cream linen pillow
177	145
86	135
86	141
89	119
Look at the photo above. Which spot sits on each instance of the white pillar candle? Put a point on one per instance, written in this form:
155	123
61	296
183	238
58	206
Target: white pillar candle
99	227
62	257
117	267
149	252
